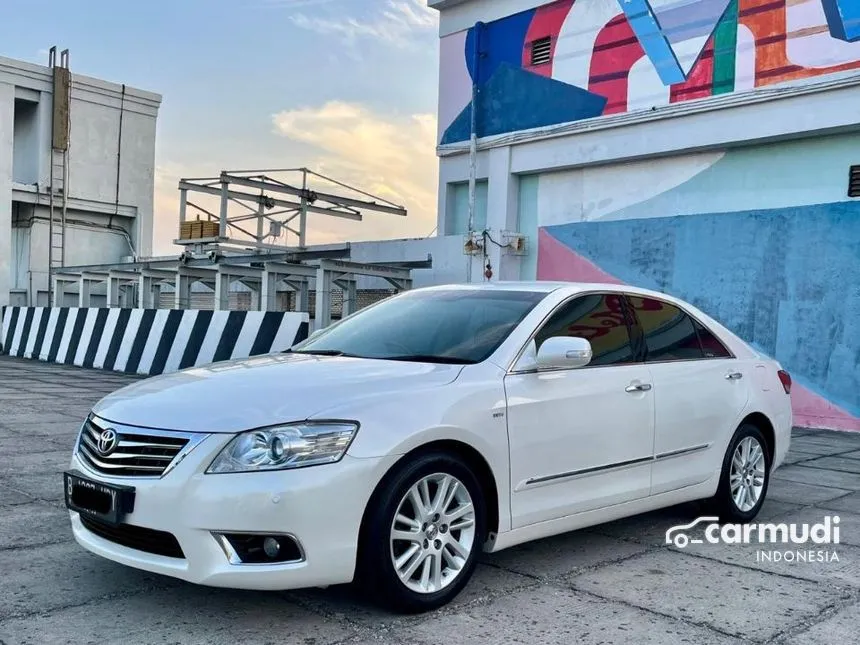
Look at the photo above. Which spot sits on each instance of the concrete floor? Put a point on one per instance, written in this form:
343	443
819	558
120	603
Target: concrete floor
615	583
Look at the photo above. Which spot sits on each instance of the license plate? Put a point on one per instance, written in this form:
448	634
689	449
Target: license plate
106	502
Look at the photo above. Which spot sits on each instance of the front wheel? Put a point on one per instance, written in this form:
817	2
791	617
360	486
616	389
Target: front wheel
745	476
423	534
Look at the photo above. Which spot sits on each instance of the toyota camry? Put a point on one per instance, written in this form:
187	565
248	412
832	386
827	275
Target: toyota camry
393	447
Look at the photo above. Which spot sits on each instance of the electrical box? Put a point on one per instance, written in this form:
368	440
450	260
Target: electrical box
515	243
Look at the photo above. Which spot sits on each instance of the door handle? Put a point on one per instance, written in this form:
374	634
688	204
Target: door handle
641	387
734	376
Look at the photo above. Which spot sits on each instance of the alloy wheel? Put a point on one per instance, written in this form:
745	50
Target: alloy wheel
433	533
747	474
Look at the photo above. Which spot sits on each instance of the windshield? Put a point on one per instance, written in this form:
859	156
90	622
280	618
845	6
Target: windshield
443	326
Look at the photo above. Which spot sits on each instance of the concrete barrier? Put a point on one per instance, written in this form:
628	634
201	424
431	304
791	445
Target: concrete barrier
145	341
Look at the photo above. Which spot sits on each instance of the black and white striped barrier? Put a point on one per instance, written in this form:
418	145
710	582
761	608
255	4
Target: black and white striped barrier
146	341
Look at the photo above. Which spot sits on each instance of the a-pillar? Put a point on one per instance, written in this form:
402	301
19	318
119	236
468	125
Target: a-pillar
502	207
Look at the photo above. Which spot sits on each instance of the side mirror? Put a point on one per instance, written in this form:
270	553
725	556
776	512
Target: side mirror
564	352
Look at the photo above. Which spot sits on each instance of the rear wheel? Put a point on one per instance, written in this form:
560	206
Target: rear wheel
745	476
423	534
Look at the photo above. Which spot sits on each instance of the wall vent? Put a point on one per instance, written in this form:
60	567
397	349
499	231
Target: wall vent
542	51
854	181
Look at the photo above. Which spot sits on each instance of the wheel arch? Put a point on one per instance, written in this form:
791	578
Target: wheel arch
763	423
469	454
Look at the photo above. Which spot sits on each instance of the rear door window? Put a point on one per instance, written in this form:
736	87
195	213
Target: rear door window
668	333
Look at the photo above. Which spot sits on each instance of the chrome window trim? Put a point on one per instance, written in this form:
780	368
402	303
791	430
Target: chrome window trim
193	439
511	371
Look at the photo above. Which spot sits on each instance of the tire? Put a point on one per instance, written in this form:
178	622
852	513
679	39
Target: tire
725	504
380	547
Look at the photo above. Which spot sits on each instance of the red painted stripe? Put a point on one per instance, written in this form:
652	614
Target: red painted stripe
616	50
700	81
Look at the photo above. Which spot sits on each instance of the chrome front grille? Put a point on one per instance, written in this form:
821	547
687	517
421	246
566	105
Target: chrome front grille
129	451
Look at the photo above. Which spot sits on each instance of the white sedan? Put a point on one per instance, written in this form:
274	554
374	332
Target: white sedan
396	445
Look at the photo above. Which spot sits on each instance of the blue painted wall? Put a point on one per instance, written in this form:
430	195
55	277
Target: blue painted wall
786	280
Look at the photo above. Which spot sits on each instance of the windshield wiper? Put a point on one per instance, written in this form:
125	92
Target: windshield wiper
324	352
430	358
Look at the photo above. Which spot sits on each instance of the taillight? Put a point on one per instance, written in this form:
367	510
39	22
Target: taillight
785	379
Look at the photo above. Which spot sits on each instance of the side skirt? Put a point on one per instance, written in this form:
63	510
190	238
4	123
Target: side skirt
602	515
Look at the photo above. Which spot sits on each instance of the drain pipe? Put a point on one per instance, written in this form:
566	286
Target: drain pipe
473	139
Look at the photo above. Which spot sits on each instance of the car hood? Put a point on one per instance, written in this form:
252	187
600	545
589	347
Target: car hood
266	390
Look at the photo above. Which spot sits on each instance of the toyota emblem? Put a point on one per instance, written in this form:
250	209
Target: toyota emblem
107	442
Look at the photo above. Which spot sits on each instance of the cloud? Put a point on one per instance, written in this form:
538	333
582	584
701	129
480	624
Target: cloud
397	24
166	207
388	155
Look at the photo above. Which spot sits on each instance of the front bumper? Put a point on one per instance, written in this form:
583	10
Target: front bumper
320	506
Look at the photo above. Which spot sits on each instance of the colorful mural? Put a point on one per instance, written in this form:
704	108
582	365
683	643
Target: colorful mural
612	56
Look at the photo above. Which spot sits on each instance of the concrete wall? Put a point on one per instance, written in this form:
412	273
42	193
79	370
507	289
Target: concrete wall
449	262
7	113
110	176
95	151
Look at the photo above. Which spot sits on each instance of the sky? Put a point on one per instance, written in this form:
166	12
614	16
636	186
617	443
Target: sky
344	87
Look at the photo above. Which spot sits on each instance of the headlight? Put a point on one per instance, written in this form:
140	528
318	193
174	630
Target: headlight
288	446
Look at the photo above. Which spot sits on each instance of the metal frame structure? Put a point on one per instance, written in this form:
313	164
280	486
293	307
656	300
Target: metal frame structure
265	274
272	202
265	197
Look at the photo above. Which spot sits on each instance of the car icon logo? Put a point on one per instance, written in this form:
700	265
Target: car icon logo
677	534
107	442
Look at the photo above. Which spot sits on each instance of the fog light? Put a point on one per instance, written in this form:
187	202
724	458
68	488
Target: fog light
271	547
254	548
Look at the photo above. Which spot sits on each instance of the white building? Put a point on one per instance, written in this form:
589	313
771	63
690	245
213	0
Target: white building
108	171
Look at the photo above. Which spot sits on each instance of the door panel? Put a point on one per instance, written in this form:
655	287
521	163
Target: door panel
565	428
696	403
697	410
581	438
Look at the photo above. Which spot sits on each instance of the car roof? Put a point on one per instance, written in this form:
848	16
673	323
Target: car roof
542	286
